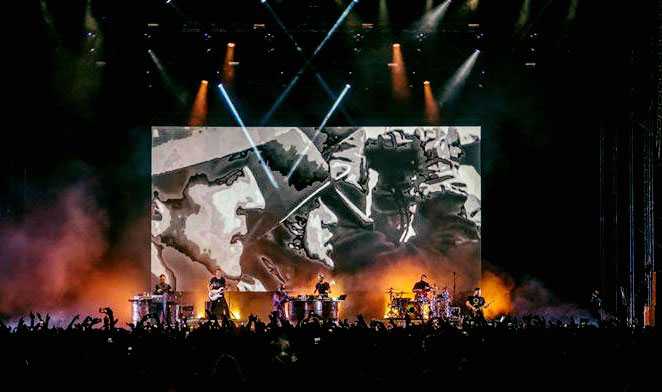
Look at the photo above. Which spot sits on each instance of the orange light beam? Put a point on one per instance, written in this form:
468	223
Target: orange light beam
228	67
431	106
199	112
399	74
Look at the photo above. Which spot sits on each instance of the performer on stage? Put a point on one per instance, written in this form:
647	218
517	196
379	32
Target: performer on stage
421	291
218	307
322	287
162	287
596	305
278	301
422	286
476	303
161	308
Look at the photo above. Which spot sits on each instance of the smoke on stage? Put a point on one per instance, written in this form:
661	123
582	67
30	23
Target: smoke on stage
58	259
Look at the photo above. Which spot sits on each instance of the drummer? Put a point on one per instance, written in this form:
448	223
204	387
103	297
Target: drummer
323	288
421	289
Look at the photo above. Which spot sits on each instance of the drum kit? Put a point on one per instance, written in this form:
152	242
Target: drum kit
425	304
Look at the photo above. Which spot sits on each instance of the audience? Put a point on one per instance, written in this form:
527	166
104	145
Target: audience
508	353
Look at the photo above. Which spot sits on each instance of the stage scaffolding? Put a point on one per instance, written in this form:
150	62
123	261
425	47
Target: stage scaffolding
629	173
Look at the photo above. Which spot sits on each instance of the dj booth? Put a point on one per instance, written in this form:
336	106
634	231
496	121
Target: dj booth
241	303
302	306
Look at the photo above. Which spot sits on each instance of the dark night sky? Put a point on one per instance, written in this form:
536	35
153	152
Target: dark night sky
540	126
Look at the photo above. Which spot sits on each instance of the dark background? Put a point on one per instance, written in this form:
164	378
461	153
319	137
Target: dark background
541	124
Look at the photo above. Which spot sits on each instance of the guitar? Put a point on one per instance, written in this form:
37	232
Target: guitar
215	294
479	309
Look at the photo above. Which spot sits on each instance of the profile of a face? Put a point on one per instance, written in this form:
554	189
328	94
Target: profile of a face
160	217
319	233
218	225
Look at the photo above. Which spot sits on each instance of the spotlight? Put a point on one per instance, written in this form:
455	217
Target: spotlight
198	115
431	20
256	151
400	84
472	4
432	115
228	69
319	129
383	15
170	83
281	98
457	81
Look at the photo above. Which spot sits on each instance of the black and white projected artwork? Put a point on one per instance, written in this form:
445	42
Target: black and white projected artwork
276	205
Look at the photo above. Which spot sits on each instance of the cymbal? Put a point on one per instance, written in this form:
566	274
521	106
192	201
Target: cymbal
392	291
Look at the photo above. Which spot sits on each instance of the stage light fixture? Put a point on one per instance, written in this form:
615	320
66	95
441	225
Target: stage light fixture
228	68
431	105
199	111
431	20
258	155
281	98
457	81
399	82
168	82
335	26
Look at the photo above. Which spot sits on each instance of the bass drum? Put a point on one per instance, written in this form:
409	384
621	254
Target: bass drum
411	309
417	310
